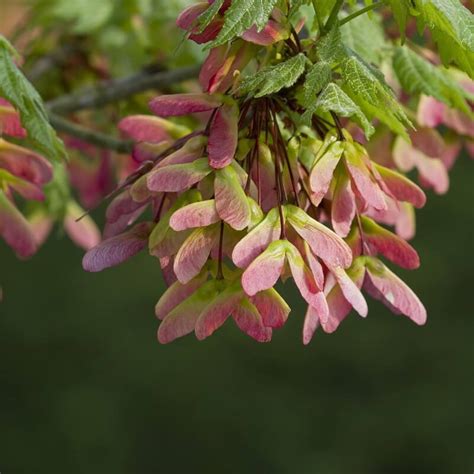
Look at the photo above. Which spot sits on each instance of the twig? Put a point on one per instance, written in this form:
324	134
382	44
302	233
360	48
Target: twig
90	136
119	89
220	274
337	124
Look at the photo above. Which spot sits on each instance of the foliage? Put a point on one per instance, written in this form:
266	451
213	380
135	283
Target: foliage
21	94
241	15
274	78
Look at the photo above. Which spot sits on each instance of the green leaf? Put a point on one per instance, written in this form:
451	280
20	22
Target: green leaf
206	17
242	15
401	13
362	81
367	87
274	78
451	24
451	53
417	75
365	36
330	47
334	99
452	18
316	79
15	88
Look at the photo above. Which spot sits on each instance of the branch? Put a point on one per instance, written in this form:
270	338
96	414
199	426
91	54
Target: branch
105	93
118	89
95	138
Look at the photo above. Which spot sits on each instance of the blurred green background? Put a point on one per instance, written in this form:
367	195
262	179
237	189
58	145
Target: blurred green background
86	388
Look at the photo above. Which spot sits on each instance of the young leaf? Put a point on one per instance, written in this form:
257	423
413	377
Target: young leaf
274	78
334	99
367	87
317	78
22	95
451	18
365	36
241	15
401	12
330	47
208	15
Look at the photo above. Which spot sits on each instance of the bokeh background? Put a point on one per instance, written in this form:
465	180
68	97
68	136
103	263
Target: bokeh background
86	388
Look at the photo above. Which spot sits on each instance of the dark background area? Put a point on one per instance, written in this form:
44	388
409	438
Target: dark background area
85	387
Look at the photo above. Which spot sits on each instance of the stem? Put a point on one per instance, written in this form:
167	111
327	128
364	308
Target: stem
282	222
280	199
243	113
323	121
55	59
94	138
220	274
160	208
278	182
363	244
118	89
306	192
297	39
337	123
281	145
250	162
366	9
292	45
333	16
209	122
259	184
320	133
254	132
319	126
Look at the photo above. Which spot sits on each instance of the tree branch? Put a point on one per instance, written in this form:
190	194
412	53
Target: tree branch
95	138
118	89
